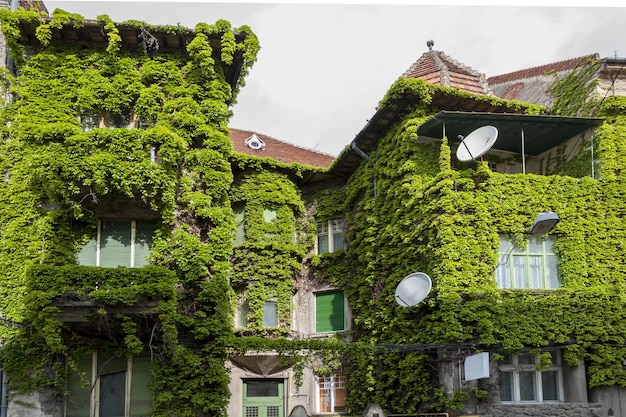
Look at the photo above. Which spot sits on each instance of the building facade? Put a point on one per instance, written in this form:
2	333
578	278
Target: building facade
156	263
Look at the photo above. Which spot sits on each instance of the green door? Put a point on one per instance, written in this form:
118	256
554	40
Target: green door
263	398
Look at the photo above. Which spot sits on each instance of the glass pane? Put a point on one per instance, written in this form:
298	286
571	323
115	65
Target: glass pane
87	255
508	359
114	243
535	266
270	314
112	394
242	314
337	229
526	359
548	244
329	312
506	386
322	237
267	388
119	120
527	390
140	393
549	385
269	215
503	275
79	389
535	244
89	120
519	271
552	276
143	242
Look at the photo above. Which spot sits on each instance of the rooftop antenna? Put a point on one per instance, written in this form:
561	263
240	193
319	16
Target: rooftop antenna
430	45
476	144
413	289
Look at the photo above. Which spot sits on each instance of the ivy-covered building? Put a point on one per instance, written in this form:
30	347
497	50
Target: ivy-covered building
156	263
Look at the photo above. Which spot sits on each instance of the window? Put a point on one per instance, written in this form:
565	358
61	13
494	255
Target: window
241	315
89	119
332	394
118	120
329	235
109	386
270	314
520	381
329	312
118	243
534	266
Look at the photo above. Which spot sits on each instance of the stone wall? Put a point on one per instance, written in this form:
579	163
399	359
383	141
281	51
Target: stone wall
544	410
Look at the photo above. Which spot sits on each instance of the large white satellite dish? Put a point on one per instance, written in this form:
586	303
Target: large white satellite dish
477	143
413	289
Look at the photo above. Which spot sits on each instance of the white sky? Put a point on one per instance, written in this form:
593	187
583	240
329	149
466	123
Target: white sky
323	67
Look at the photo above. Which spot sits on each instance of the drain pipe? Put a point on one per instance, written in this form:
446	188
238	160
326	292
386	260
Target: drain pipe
363	155
3	395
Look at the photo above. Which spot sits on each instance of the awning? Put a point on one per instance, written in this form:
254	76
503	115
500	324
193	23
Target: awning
540	132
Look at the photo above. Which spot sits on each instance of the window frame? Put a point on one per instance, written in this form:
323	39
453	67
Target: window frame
330	385
509	257
514	368
328	226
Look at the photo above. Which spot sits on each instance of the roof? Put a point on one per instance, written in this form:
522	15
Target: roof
257	144
435	67
531	84
540	132
367	139
133	37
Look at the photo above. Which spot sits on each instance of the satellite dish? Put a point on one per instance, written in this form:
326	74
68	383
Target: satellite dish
413	289
476	144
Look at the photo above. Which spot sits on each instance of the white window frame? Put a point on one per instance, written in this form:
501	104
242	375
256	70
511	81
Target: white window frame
511	257
331	383
514	368
329	226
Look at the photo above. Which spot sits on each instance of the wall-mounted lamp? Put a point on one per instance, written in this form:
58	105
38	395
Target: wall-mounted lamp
544	222
610	413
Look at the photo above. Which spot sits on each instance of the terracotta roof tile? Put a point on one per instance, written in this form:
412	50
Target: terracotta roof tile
435	67
269	147
559	66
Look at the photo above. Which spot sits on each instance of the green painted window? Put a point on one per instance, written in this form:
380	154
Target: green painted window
520	381
329	235
534	266
109	386
118	243
329	312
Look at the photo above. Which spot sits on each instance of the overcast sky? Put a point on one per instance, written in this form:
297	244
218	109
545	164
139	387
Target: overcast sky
323	67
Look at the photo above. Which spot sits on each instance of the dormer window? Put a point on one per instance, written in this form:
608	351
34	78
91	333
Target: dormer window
255	142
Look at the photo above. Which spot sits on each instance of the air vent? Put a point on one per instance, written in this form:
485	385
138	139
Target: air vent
254	142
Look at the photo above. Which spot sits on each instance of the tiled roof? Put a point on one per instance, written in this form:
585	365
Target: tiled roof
263	146
435	67
531	85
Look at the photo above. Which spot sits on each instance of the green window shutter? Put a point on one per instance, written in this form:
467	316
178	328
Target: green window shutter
143	242
87	255
140	394
329	312
114	243
79	389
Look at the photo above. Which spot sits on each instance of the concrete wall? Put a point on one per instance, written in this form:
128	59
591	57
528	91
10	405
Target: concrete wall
38	404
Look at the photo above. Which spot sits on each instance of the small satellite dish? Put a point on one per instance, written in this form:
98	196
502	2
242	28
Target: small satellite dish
476	144
413	289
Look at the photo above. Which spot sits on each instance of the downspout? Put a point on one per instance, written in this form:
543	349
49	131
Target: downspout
363	155
4	395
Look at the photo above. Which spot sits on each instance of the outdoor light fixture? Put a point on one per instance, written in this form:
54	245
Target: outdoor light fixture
544	222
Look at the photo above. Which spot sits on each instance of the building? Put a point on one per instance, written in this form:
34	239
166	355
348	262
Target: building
156	263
